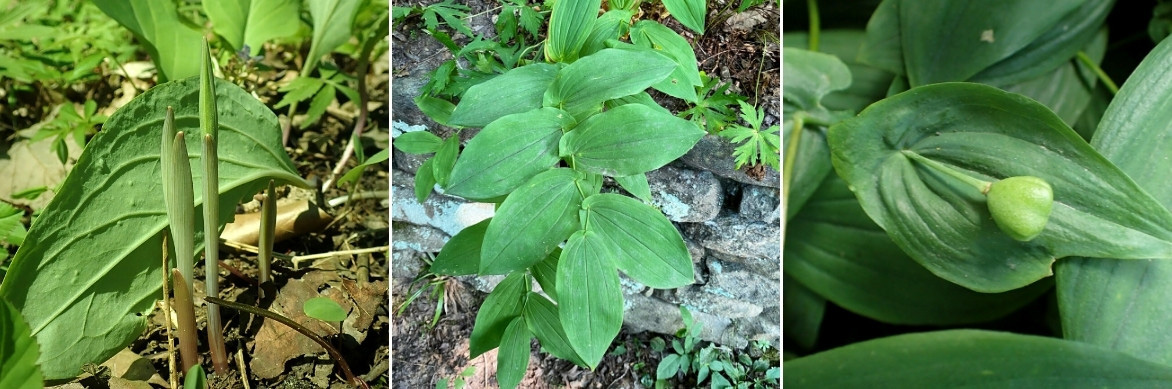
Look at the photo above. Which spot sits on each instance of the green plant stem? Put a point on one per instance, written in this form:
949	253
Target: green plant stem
172	371
337	356
791	155
209	126
1086	60
980	185
815	24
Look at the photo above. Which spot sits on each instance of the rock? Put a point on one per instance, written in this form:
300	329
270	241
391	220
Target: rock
642	313
737	236
418	238
717	262
405	264
445	213
685	195
761	203
722	305
714	154
403	161
745	286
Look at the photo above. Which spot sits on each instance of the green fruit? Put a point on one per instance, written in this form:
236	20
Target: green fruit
1021	206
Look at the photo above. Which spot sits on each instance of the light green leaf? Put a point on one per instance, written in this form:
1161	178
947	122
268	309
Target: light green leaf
542	317
516	91
569	26
424	180
645	245
685	77
668	367
353	174
318	105
253	22
987	134
613	24
299	89
12	231
637	185
835	250
96	254
514	354
497	311
18	351
591	300
332	21
1122	304
435	108
972	359
690	13
531	222
195	378
508	152
417	142
607	74
324	309
629	139
169	41
461	255
812	76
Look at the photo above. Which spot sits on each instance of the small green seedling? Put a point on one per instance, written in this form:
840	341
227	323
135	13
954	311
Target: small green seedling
325	309
196	378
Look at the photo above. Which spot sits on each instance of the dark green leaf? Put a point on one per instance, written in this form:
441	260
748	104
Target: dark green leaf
514	354
637	185
508	152
545	273
613	24
812	76
332	21
1057	46
972	359
607	74
299	89
1065	90
318	105
417	142
629	139
461	255
802	310
531	222
252	23
497	311
542	317
868	84
645	245
424	180
685	77
591	305
18	351
518	90
988	134
435	108
445	159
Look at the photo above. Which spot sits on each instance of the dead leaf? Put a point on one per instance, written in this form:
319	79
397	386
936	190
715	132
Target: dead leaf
293	219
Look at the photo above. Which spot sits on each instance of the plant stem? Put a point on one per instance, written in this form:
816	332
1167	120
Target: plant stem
791	154
185	310
209	126
980	185
337	356
1086	60
303	258
815	24
268	225
172	372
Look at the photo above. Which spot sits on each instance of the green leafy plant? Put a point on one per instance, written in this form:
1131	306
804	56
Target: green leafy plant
438	285
20	351
162	30
12	230
70	123
457	382
964	172
715	364
715	106
757	145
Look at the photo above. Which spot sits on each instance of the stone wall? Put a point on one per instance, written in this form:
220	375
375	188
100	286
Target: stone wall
729	221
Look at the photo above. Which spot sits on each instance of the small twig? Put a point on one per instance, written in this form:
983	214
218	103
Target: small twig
378	194
302	258
243	367
337	356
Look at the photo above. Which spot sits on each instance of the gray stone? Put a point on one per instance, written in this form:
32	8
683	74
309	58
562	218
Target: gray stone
446	213
761	203
714	154
418	238
762	290
723	305
770	267
685	195
405	265
644	313
738	236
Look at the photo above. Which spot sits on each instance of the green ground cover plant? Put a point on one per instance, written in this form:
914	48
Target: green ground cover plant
950	178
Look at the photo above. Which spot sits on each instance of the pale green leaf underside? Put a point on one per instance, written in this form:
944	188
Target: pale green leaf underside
90	269
989	134
973	359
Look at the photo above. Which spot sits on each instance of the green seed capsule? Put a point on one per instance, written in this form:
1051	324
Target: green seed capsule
1021	206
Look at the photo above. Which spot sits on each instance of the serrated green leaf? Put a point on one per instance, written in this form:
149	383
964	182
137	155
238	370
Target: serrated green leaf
417	142
627	140
531	222
96	257
498	309
12	231
542	317
513	357
318	105
644	244
508	152
18	351
518	90
300	89
461	255
591	305
569	25
690	13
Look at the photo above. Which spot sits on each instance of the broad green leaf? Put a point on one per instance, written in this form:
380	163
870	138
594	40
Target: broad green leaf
96	257
435	108
542	317
445	159
545	273
461	255
630	139
802	311
424	180
251	23
591	300
498	309
516	91
514	354
607	74
835	250
883	46
1073	32
508	152
867	84
324	309
1122	304
417	142
668	367
690	13
168	39
613	24
987	134
645	245
973	359
18	351
955	40
332	20
569	26
1066	90
639	98
637	185
685	77
811	77
531	222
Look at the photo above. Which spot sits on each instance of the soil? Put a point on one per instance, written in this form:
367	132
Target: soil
742	49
